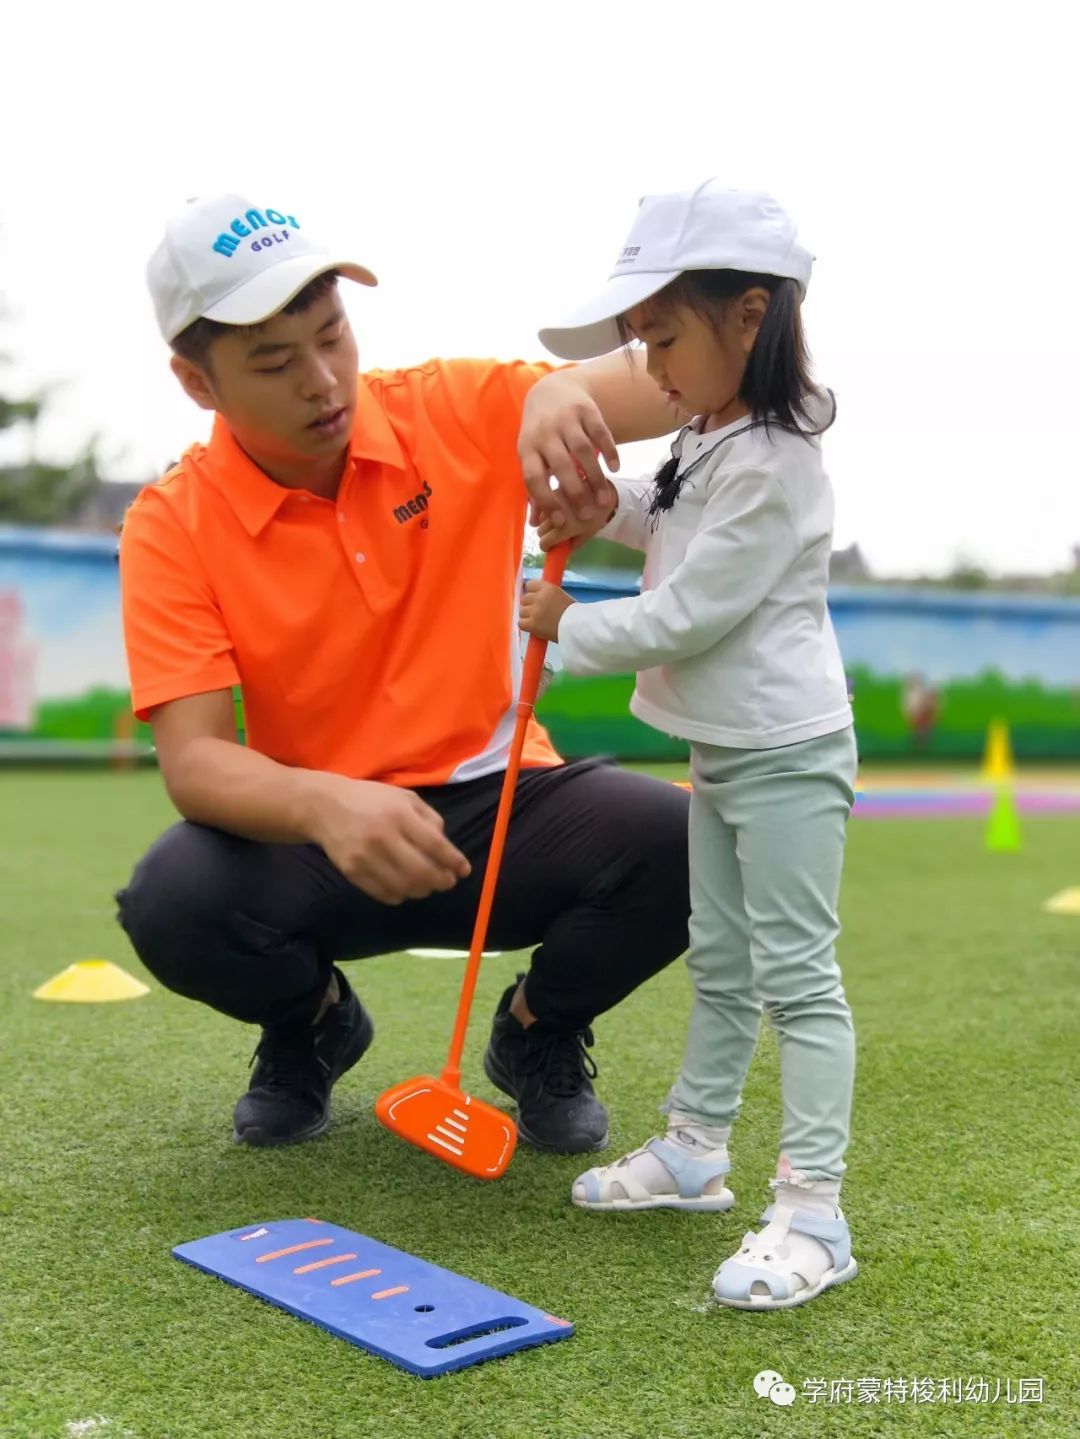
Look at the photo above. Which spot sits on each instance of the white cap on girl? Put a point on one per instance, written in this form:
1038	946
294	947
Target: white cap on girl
710	228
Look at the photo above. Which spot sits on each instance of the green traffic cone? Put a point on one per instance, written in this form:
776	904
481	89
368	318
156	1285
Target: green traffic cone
1003	828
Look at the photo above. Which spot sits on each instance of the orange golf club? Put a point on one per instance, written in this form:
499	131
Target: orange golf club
436	1114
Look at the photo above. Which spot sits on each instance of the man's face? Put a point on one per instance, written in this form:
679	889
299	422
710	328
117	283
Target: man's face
286	388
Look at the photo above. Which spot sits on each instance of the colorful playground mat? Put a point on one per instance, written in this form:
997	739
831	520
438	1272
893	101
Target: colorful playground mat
929	794
427	1320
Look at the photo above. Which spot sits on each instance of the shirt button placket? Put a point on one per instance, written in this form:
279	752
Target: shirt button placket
357	557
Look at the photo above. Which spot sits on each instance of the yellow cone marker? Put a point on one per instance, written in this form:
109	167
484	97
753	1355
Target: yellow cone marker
998	757
1067	902
1003	828
91	981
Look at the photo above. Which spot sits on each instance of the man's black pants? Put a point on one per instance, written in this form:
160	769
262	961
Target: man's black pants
595	873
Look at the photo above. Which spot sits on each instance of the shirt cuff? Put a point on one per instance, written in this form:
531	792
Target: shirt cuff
626	501
145	697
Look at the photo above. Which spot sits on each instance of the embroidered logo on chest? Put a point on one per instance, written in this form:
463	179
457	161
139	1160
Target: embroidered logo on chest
413	508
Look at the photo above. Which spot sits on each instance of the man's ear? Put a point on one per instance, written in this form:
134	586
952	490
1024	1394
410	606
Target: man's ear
195	380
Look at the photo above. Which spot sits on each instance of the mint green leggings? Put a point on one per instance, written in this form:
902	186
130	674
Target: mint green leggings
767	832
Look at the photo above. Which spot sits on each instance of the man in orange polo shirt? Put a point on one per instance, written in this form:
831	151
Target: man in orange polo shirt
347	551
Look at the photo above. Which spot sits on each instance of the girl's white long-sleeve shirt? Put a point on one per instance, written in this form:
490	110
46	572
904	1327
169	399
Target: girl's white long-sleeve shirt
731	636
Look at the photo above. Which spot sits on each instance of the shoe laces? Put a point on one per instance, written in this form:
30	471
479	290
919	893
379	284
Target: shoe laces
286	1058
562	1061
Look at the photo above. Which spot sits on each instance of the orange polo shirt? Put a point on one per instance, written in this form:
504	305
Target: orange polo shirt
373	635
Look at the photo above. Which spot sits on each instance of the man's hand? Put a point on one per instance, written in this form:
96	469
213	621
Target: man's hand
386	841
562	431
571	416
542	607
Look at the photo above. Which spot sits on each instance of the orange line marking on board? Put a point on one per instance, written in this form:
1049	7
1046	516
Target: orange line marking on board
324	1263
292	1249
348	1278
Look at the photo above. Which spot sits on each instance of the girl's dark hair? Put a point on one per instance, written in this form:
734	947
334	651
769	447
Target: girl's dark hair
777	387
194	343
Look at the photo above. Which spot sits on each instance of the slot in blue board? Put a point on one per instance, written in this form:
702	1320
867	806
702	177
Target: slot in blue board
428	1320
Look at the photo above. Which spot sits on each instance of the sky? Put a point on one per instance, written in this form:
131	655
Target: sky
486	159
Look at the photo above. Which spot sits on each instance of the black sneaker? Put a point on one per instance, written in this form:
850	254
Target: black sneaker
547	1071
296	1066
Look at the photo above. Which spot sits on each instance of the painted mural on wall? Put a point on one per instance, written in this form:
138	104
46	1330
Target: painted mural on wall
928	669
63	679
18	664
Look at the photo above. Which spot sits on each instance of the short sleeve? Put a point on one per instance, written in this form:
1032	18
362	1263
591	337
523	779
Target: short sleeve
488	397
176	640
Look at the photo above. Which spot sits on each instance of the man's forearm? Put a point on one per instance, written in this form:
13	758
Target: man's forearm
633	405
220	783
384	840
576	417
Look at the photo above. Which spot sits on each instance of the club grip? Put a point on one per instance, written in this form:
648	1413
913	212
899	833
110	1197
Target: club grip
554	569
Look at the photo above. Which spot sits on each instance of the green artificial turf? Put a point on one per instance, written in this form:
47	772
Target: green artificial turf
961	1188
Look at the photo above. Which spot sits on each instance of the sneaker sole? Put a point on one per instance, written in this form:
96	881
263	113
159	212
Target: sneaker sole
265	1139
502	1083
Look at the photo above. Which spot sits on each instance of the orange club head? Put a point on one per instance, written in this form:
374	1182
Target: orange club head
439	1118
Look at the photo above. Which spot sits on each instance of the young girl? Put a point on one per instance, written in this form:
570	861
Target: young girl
734	650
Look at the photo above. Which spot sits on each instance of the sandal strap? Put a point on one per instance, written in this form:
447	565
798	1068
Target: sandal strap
690	1174
834	1234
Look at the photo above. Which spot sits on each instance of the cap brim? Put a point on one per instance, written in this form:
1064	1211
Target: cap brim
592	330
264	295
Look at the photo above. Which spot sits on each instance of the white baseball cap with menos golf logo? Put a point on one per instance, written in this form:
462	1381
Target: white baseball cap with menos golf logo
231	260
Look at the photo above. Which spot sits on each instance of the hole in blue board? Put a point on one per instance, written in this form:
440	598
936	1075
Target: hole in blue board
423	1308
478	1331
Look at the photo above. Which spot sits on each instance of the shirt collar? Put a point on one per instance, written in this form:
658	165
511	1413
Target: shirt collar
256	498
372	435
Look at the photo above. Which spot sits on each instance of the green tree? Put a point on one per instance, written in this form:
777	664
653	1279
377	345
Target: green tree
17	411
606	555
968	577
35	493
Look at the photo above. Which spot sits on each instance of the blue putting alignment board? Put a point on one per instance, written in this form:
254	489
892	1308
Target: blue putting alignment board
425	1319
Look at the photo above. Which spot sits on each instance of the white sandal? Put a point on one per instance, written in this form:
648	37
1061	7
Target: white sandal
614	1187
796	1257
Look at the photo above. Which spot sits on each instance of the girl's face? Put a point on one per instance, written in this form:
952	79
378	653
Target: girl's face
699	362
